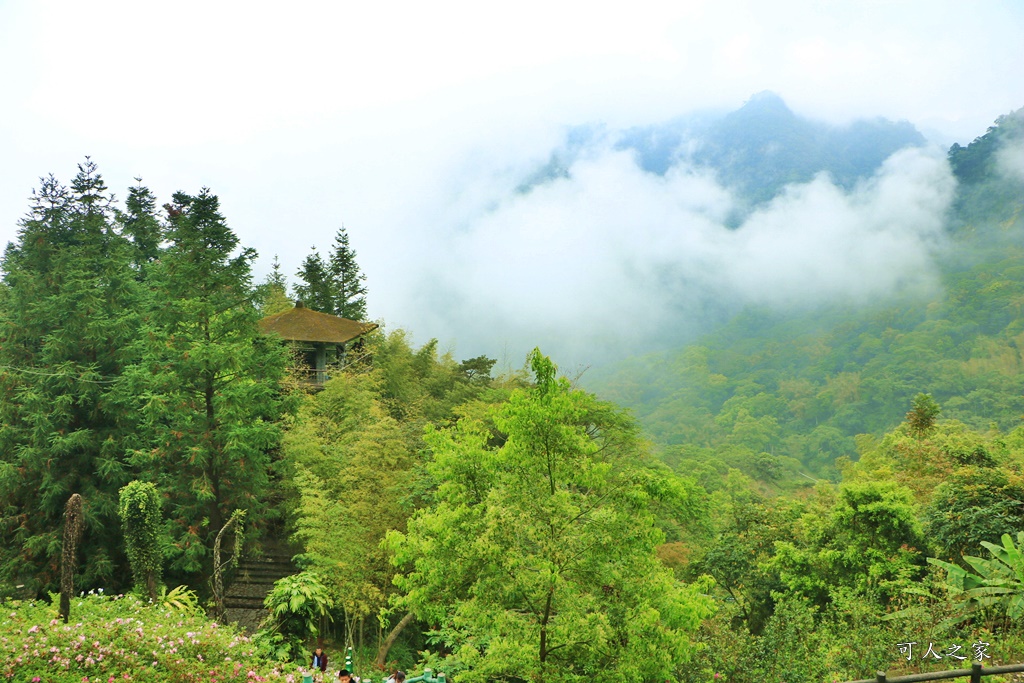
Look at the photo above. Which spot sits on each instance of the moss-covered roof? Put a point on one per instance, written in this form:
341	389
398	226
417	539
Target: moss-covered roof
302	324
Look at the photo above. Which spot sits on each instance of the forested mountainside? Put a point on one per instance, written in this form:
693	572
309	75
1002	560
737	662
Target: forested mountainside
755	151
772	392
830	492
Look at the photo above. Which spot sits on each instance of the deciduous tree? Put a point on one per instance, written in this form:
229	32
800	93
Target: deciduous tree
537	561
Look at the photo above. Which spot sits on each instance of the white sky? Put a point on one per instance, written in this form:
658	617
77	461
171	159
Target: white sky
382	116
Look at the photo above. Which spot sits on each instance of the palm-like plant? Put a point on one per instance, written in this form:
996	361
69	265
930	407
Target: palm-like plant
999	582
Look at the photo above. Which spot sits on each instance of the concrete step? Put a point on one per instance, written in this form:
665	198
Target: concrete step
241	602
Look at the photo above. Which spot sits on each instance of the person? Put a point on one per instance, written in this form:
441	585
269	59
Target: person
396	677
344	676
319	660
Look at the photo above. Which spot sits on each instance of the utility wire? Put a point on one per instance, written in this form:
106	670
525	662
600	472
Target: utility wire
65	375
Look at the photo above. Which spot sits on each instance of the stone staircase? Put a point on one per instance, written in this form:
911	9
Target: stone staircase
253	581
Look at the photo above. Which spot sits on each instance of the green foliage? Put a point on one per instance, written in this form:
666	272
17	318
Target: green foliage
803	387
335	286
921	418
975	505
272	294
537	560
141	517
869	541
124	638
207	385
353	457
999	582
298	605
70	312
180	599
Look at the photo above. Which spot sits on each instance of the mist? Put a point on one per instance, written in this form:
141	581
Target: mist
605	259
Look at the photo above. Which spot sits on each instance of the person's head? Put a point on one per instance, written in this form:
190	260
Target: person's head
319	650
399	676
344	676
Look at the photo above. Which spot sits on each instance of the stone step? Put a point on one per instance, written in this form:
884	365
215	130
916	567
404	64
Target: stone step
242	602
260	577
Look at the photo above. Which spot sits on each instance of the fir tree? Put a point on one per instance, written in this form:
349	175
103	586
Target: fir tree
208	381
139	222
335	286
69	318
315	291
272	293
347	280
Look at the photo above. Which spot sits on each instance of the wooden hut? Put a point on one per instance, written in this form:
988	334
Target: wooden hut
319	337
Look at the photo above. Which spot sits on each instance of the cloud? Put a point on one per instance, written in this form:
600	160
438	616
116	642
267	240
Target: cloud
1010	159
611	259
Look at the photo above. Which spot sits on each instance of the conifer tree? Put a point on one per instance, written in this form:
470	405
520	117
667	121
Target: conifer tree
335	286
140	223
347	280
272	294
315	288
69	318
208	379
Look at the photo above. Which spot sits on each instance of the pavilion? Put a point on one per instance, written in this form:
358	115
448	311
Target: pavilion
319	337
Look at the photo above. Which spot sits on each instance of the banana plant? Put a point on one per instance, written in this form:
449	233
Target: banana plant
998	583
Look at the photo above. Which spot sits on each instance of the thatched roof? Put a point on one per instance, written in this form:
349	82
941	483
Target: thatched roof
302	324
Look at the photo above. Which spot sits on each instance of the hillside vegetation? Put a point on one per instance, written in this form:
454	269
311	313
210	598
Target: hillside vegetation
772	392
803	496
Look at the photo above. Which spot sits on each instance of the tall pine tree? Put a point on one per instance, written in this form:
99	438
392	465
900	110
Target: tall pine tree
347	280
209	381
335	286
315	288
68	320
272	293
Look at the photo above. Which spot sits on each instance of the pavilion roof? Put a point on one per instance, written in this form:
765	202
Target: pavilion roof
302	324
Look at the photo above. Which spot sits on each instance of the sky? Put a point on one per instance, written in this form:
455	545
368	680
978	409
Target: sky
411	125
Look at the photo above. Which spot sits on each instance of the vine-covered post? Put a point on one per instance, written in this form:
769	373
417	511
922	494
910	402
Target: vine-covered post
73	524
139	509
237	519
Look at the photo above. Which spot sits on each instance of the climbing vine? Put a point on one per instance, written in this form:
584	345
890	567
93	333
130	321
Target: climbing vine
139	509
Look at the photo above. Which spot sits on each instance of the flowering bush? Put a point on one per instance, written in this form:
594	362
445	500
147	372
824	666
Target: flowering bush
121	638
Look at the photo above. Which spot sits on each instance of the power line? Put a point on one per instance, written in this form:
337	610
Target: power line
63	375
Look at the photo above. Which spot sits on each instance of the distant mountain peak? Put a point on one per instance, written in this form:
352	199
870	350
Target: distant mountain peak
764	102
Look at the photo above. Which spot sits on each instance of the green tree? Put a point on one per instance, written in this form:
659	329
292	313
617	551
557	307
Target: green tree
298	604
537	560
335	286
70	315
998	584
347	280
869	540
140	513
208	383
314	289
272	293
921	418
140	223
352	468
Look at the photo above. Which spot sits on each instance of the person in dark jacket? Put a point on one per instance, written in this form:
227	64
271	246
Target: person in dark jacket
319	660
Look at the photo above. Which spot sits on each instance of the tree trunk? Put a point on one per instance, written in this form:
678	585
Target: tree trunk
73	523
218	568
382	653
